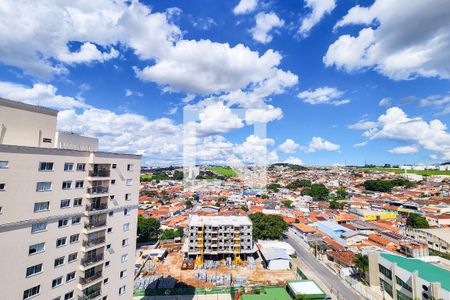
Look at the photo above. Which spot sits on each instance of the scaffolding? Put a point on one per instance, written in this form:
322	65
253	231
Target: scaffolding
200	247
237	248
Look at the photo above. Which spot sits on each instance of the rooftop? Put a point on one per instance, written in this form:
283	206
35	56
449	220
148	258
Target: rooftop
219	220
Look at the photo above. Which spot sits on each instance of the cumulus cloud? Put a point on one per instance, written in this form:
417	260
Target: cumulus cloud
293	160
245	7
323	95
319	8
217	119
289	146
404	150
263	115
265	23
393	45
397	126
320	144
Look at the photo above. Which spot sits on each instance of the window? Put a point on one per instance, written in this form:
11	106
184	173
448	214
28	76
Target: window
74	238
34	270
68	167
70	276
77	202
63	223
114	166
105	281
111	197
108	246
130	167
38	227
65	203
126	226
385	271
81	167
129	182
45	166
2	187
107	264
66	185
123	273
43	186
59	261
124	258
46	140
57	282
128	196
126	212
79	184
3	164
31	292
61	242
403	284
122	290
113	181
76	220
111	213
37	248
68	296
125	242
72	257
41	206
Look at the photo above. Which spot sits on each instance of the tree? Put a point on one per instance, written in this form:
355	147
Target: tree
334	204
378	185
265	196
287	203
274	187
416	221
170	234
148	230
361	263
188	203
317	191
298	183
341	193
268	227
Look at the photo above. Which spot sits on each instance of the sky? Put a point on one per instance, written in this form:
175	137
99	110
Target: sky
333	82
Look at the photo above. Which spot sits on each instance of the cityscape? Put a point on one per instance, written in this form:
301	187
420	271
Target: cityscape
224	150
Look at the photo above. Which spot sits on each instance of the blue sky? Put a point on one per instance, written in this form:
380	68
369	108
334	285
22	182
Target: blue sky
335	81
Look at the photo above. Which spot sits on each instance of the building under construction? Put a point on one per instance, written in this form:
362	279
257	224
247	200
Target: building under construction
219	238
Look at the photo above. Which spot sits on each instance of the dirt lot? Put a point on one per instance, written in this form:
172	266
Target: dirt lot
171	266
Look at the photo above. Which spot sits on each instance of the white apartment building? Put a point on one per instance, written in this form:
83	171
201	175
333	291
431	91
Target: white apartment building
67	211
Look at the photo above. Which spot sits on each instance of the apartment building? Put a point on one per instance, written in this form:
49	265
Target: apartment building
437	239
217	237
67	211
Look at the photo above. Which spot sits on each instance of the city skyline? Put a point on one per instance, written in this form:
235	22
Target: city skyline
335	82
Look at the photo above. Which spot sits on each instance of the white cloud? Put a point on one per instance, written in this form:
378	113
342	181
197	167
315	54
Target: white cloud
88	53
385	102
319	8
323	95
217	118
320	144
363	125
393	45
441	103
129	93
264	115
265	23
396	125
404	150
289	146
245	7
362	144
293	160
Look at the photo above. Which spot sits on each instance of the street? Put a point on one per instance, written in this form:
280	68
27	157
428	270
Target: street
326	276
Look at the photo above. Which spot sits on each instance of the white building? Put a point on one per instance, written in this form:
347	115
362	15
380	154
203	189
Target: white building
67	211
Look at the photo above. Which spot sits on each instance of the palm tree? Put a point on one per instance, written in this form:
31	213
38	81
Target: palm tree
362	263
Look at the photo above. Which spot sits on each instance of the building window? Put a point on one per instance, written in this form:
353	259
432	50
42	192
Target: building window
74	238
65	203
76	220
114	166
41	206
3	164
129	182
113	181
45	166
126	212
122	290
59	261
123	273
105	281
130	167
68	167
43	186
107	264
79	184
33	270
111	197
128	197
72	257
109	230
66	185
68	296
403	284
57	282
124	258
125	242
70	276
108	246
81	167
63	223
31	292
385	271
2	187
126	226
61	242
111	213
77	201
38	227
46	140
37	248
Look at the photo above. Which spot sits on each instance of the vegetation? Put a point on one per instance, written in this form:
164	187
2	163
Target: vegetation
362	264
274	187
341	193
224	171
170	234
378	185
148	230
146	177
416	221
265	196
268	227
298	183
188	203
293	167
441	254
399	171
317	191
287	203
334	204
209	175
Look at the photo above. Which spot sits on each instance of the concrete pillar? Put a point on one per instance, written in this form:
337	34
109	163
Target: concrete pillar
435	290
374	278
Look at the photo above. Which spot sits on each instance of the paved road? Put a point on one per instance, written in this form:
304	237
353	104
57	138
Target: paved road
325	275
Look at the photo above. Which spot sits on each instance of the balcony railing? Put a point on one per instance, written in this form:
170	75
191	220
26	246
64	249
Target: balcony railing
93	242
99	173
90	296
87	280
95	224
97	190
91	259
97	206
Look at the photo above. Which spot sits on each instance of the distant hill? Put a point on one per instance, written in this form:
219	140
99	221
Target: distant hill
293	167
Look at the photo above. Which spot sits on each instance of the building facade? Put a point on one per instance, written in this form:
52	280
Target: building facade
67	211
437	239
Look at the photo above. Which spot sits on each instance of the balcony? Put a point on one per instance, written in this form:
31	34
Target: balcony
96	206
99	173
90	296
93	242
98	190
92	278
92	259
94	224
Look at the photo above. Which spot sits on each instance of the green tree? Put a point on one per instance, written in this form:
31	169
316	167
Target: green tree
341	193
378	185
170	234
319	191
361	263
298	183
268	227
416	221
274	187
148	230
188	203
265	196
287	203
334	204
